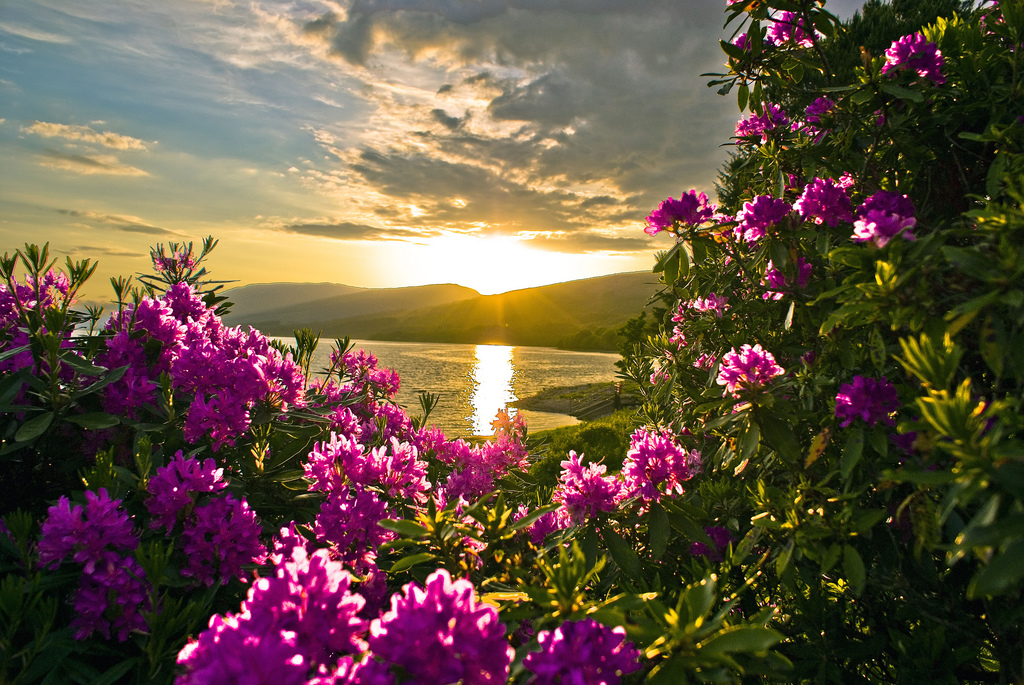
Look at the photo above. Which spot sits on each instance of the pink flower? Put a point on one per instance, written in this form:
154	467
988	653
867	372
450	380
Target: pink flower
824	200
656	465
867	399
439	633
692	209
583	653
758	215
774	278
749	369
762	124
791	28
585	490
916	53
711	303
882	217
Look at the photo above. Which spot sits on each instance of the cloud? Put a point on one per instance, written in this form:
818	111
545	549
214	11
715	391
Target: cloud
92	251
33	34
129	224
558	117
86	164
346	230
84	134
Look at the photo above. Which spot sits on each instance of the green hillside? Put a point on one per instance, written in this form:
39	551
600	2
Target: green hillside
580	314
276	307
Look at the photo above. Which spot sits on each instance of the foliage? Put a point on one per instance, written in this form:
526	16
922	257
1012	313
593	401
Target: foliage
878	473
827	487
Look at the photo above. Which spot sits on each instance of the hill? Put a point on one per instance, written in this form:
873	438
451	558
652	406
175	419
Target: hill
581	314
276	307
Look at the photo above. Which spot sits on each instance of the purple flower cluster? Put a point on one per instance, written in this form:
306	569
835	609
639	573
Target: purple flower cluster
711	303
918	54
720	539
762	124
583	491
174	487
691	209
867	399
52	291
705	361
812	117
882	217
777	282
226	372
817	109
791	29
303	617
758	215
824	201
440	634
749	369
583	653
220	534
657	465
112	593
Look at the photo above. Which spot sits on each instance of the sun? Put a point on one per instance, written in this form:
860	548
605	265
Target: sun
495	264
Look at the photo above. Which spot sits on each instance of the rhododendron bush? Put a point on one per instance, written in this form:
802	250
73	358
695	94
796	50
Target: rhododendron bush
827	485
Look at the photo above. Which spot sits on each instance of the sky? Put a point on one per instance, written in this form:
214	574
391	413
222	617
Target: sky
497	144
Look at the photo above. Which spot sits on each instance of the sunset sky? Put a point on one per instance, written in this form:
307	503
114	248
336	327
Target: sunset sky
496	144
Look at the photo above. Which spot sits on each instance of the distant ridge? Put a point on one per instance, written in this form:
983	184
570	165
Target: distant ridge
582	314
297	305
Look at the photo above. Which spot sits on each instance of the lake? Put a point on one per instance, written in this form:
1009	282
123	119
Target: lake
475	381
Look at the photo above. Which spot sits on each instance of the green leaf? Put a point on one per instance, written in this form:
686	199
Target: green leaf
621	552
852	451
830	557
82	366
658	529
741	639
751	441
861	96
664	258
404	528
971	261
527	520
114	673
853	569
847	311
901	92
94	420
1001	574
733	51
698	599
742	96
787	323
410	561
780	436
33	428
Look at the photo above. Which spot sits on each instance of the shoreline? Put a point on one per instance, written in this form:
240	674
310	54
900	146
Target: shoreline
586	401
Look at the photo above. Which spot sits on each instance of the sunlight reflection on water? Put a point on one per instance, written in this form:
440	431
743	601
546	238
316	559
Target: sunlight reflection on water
475	381
492	385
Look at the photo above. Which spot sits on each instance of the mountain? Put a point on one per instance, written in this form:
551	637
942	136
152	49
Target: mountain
281	306
581	314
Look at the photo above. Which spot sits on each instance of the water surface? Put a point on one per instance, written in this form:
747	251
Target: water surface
475	381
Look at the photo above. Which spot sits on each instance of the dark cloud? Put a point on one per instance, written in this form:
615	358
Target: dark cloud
589	242
608	111
86	164
91	251
129	224
345	230
449	122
